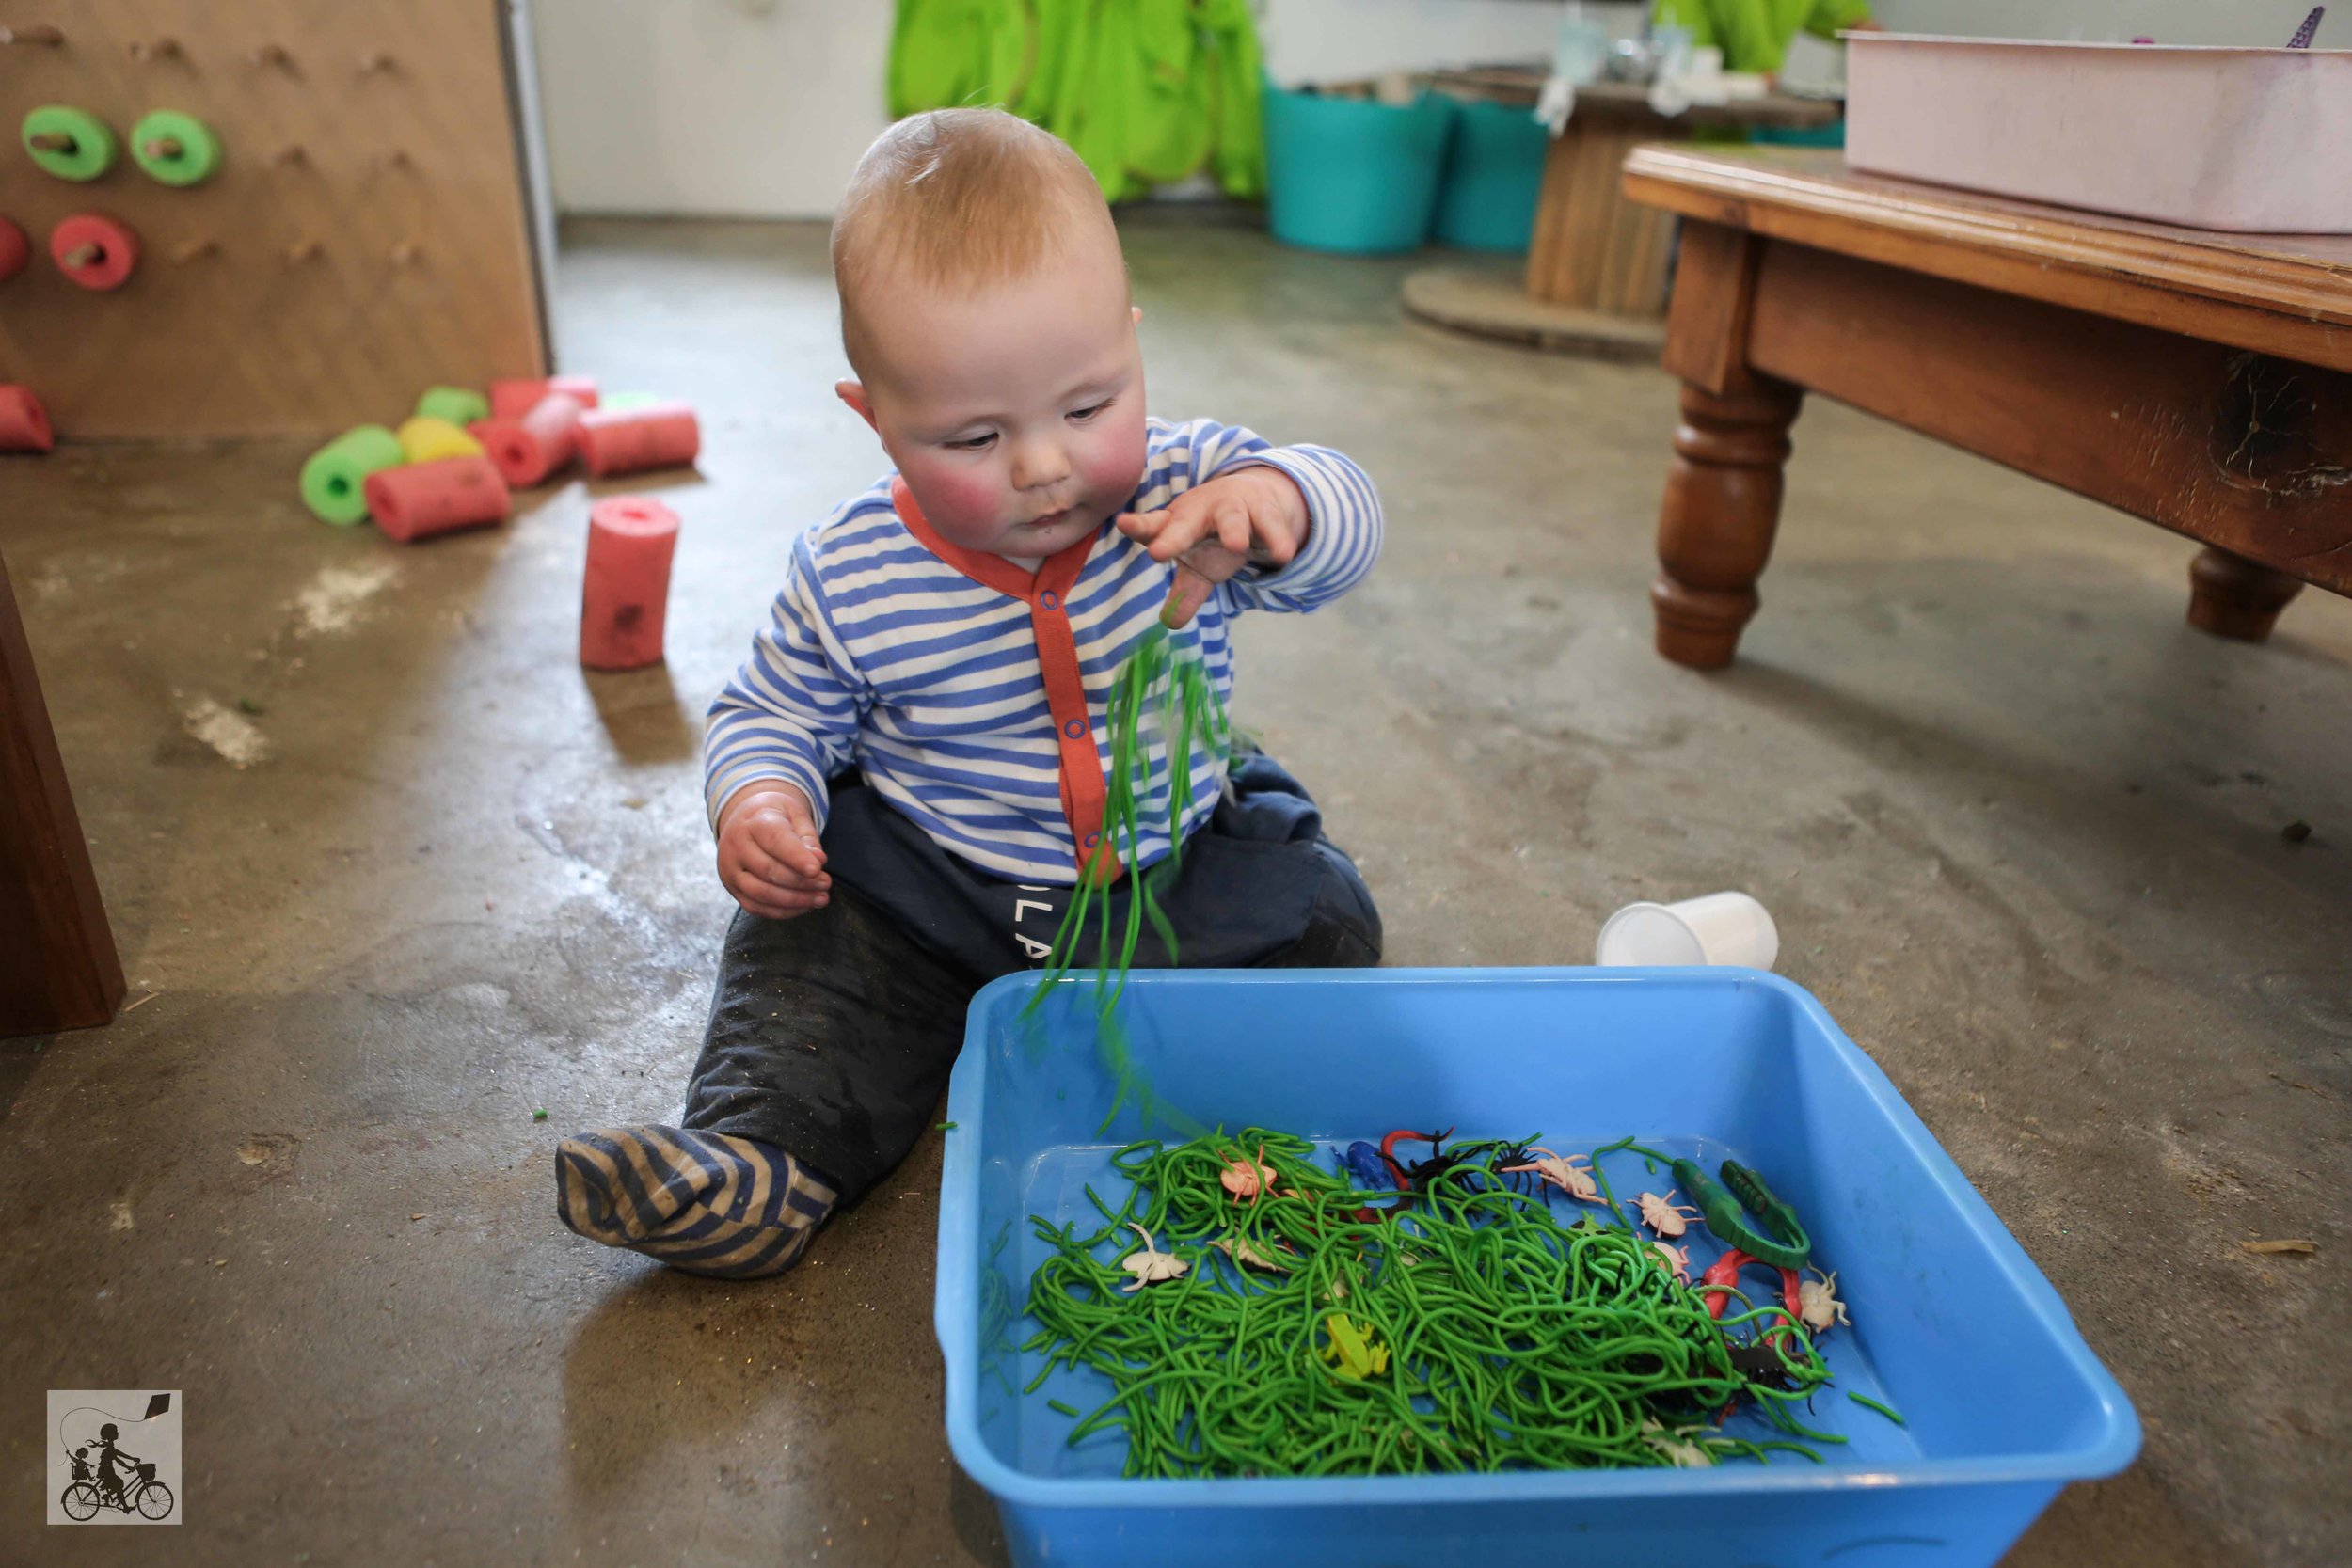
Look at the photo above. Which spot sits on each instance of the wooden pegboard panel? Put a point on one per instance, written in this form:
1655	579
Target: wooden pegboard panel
289	295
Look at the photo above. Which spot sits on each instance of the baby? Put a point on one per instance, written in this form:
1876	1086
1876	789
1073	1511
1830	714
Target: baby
907	777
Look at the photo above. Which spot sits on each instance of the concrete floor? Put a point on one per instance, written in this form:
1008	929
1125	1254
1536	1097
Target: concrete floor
2020	827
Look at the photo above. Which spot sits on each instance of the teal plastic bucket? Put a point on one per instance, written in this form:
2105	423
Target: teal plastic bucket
1351	175
1493	174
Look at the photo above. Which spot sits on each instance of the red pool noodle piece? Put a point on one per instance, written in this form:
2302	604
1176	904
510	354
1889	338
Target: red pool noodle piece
623	441
14	249
118	243
625	600
417	500
512	400
527	449
24	423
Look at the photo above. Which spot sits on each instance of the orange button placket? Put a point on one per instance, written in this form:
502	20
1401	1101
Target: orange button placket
1046	592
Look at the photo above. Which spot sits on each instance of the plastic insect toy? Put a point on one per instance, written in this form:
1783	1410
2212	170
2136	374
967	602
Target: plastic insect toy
1241	1252
1570	1174
1665	1217
1150	1265
1678	1260
1728	1205
1685	1455
1244	1179
1352	1354
1819	1302
1759	1362
1372	1173
1406	1135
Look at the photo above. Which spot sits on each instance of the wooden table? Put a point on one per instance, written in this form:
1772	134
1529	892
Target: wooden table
2201	381
58	964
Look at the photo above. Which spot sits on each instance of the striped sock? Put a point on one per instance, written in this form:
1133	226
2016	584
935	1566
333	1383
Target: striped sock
705	1202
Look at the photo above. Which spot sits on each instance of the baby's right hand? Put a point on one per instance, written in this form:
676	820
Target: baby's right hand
769	854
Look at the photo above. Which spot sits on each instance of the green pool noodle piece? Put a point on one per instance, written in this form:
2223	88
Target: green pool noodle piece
334	480
617	401
94	146
199	155
460	405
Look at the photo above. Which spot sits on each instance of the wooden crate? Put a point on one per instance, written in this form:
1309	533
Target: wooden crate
367	235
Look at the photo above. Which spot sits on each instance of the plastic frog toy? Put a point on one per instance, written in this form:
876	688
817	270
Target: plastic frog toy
1354	1355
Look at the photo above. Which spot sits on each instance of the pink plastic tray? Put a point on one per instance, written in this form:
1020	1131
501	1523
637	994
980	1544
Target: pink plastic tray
2256	140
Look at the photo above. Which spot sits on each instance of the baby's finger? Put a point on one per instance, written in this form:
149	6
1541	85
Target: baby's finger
794	844
1232	520
759	865
1185	595
1187	521
780	905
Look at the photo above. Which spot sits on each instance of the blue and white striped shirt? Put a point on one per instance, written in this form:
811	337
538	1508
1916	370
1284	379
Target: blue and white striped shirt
880	654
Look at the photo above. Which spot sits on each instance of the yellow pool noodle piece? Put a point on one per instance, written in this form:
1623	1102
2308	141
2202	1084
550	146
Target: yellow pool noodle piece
425	439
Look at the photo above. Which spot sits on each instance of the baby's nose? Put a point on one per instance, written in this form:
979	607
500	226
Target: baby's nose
1039	464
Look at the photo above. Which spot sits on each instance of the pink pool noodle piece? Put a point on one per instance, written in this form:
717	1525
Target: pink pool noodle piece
24	423
625	600
527	449
626	441
512	400
417	500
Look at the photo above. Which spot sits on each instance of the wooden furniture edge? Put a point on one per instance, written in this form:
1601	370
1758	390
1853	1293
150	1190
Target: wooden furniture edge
2205	291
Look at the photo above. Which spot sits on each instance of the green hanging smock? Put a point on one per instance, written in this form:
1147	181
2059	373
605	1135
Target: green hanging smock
1147	91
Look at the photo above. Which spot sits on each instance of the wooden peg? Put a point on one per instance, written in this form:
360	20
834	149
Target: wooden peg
143	49
405	253
375	61
81	256
40	33
163	147
303	251
396	158
194	249
51	141
261	57
287	155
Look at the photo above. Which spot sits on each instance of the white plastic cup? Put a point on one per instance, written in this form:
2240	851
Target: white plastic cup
1719	928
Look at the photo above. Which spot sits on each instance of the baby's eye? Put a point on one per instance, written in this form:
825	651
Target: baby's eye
974	443
1083	414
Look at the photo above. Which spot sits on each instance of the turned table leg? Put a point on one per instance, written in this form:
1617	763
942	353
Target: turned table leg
1715	528
2231	596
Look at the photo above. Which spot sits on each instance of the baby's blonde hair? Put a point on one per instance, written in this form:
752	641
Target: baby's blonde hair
960	199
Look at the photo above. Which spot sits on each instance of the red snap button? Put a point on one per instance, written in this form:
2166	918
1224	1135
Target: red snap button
1075	729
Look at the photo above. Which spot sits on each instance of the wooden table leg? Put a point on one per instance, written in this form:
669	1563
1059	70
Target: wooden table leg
2231	596
58	964
1722	504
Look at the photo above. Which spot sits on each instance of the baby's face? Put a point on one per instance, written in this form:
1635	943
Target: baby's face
1014	414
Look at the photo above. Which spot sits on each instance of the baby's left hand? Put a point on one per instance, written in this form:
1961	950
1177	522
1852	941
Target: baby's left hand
1252	517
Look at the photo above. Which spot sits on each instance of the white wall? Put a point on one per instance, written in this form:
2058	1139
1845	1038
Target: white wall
1310	40
2269	23
750	107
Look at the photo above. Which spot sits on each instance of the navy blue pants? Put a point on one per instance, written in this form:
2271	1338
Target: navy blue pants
832	1033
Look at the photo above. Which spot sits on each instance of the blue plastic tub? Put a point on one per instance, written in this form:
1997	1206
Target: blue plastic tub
1952	1323
1352	175
1494	174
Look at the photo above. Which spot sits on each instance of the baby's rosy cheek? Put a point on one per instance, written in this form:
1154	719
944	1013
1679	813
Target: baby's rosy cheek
955	496
1114	465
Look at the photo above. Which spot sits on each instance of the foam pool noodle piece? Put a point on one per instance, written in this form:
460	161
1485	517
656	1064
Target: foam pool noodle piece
421	500
512	400
118	245
459	406
334	480
529	449
15	250
625	597
424	439
94	146
635	440
24	423
195	160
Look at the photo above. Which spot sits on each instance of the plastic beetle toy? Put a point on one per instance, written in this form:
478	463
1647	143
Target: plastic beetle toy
1678	1260
1150	1265
1568	1174
1665	1217
1819	1303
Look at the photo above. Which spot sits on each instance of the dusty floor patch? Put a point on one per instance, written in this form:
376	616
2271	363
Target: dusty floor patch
234	735
332	601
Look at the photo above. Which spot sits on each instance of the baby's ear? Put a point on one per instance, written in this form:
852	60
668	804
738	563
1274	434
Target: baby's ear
854	394
1139	313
